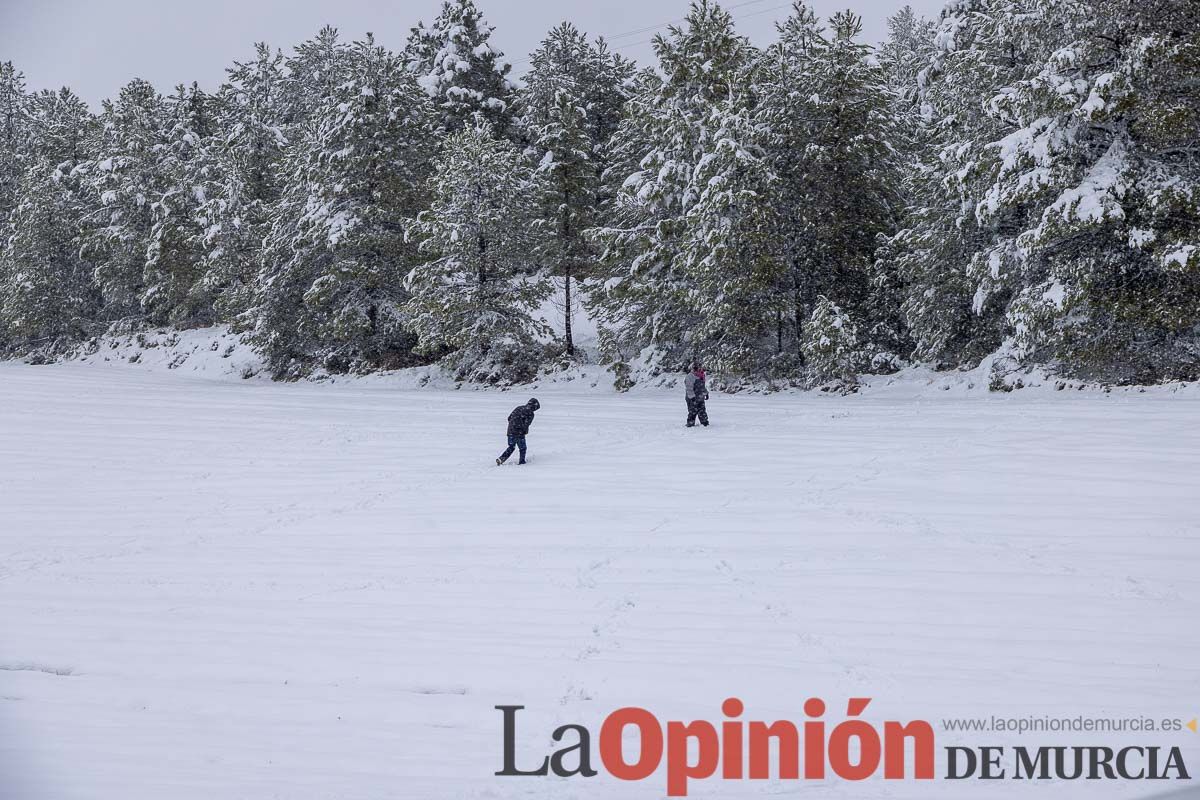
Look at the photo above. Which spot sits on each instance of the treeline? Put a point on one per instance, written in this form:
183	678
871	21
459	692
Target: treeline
1018	181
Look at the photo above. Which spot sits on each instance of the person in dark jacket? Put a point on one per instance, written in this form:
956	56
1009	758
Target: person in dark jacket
695	392
518	426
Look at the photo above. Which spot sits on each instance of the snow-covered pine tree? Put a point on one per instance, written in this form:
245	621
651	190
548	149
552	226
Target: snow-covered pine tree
455	63
252	113
14	124
831	345
330	290
231	225
830	114
599	78
561	59
313	72
904	54
242	178
48	298
908	49
567	199
651	308
174	291
607	94
1102	174
14	131
473	301
976	53
729	248
124	181
788	96
573	98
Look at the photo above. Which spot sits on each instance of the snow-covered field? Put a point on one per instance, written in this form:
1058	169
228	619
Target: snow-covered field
217	589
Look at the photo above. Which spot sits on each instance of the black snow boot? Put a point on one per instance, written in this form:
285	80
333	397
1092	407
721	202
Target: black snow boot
500	461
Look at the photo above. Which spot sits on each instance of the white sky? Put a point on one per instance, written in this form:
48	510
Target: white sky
96	46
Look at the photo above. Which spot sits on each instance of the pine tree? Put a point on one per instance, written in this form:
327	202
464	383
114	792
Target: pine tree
904	54
729	248
572	100
458	67
123	182
14	131
658	251
831	345
1102	177
606	94
314	71
471	300
830	114
330	289
568	198
597	78
907	51
174	291
48	298
951	319
14	125
252	113
242	175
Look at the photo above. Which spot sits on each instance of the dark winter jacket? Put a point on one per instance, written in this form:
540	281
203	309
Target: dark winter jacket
521	418
694	387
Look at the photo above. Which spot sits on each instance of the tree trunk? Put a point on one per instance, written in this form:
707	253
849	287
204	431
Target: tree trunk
566	231
481	298
567	313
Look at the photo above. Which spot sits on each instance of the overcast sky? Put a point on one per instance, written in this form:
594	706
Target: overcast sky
96	46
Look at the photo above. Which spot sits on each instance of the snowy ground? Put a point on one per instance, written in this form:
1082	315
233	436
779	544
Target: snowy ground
218	589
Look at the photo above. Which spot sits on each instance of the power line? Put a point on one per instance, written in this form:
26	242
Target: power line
760	12
744	16
649	28
526	61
